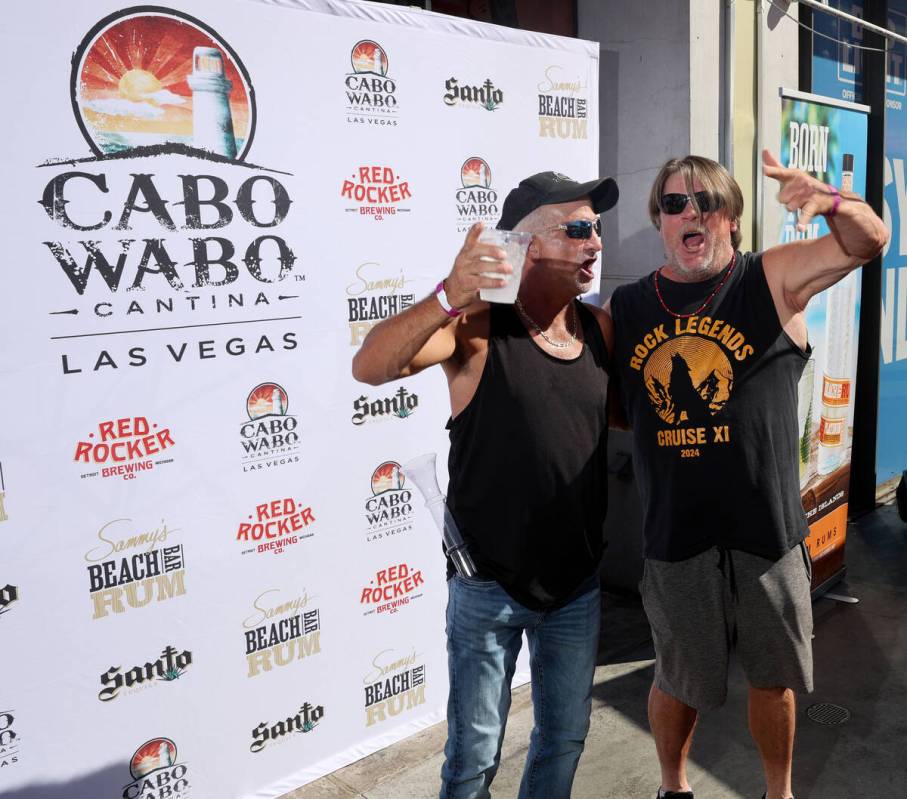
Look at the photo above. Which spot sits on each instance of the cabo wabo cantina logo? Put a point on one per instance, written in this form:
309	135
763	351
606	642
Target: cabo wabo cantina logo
271	436
393	588
476	200
394	684
282	633
377	192
149	572
9	740
155	772
374	295
8	594
166	221
276	525
168	667
124	448
562	105
389	511
304	720
686	367
370	92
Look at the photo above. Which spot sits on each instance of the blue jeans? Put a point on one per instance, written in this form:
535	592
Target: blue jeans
484	636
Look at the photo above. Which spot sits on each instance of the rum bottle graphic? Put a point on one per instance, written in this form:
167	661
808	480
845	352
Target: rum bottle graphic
847	172
837	378
805	420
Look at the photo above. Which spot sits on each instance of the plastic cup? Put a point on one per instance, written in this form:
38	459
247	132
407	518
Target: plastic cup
515	245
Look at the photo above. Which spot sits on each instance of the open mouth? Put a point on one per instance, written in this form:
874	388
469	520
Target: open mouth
587	270
693	241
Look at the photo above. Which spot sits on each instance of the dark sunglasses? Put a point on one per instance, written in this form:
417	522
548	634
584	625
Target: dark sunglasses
581	228
673	204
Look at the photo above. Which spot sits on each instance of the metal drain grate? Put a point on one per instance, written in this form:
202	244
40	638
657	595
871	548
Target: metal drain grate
828	714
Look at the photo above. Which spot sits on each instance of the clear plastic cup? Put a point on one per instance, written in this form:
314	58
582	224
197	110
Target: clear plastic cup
515	245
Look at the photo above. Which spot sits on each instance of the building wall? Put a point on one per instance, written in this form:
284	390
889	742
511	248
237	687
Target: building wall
742	157
661	97
665	89
779	69
645	116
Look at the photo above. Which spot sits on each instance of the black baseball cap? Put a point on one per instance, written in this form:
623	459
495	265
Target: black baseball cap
550	188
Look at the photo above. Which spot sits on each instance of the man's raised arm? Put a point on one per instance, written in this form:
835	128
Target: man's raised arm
425	334
799	270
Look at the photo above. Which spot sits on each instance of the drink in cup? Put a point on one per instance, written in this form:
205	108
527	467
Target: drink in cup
515	245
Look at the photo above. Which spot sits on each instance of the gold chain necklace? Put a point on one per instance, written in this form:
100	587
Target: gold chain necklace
561	345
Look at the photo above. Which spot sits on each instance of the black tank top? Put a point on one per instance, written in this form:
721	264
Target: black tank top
528	463
712	401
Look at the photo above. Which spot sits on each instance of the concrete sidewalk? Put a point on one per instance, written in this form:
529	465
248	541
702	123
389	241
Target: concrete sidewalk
860	663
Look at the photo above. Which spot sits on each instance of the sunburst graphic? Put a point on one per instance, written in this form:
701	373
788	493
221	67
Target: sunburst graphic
475	172
161	78
267	399
387	477
369	56
688	379
152	755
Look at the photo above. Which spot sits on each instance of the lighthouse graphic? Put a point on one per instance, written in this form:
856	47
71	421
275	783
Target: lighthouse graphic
164	81
212	122
267	399
163	754
152	755
475	172
277	401
369	56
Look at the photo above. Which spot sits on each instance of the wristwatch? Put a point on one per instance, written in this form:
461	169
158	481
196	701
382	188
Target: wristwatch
452	312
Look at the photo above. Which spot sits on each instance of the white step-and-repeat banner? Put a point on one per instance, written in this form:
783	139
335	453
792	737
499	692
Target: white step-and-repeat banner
214	580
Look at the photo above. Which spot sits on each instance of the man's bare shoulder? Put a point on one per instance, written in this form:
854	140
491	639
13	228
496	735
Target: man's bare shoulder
603	317
470	331
599	312
474	322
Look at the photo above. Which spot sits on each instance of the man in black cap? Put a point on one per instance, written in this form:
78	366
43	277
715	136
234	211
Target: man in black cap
528	431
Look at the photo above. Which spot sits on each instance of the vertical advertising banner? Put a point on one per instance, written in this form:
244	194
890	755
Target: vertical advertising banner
837	69
827	140
215	579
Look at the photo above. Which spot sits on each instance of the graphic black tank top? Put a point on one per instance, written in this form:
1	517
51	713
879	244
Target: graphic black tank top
712	401
528	463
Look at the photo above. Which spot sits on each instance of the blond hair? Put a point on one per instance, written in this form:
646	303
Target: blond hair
715	180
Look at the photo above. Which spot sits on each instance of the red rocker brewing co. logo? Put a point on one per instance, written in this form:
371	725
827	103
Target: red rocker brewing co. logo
125	448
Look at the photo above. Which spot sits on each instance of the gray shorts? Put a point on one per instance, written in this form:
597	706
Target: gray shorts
702	608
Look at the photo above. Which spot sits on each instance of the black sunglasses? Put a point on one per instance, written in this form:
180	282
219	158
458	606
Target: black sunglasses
581	228
673	204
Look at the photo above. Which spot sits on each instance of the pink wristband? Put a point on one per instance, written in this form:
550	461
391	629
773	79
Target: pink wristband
452	312
834	208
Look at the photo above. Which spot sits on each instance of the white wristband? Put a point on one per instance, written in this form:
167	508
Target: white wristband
444	302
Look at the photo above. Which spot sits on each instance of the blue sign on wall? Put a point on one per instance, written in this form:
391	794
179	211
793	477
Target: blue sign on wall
838	72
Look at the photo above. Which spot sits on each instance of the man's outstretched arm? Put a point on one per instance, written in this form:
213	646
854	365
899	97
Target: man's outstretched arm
799	270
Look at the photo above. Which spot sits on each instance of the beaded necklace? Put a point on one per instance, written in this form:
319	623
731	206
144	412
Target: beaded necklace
707	299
